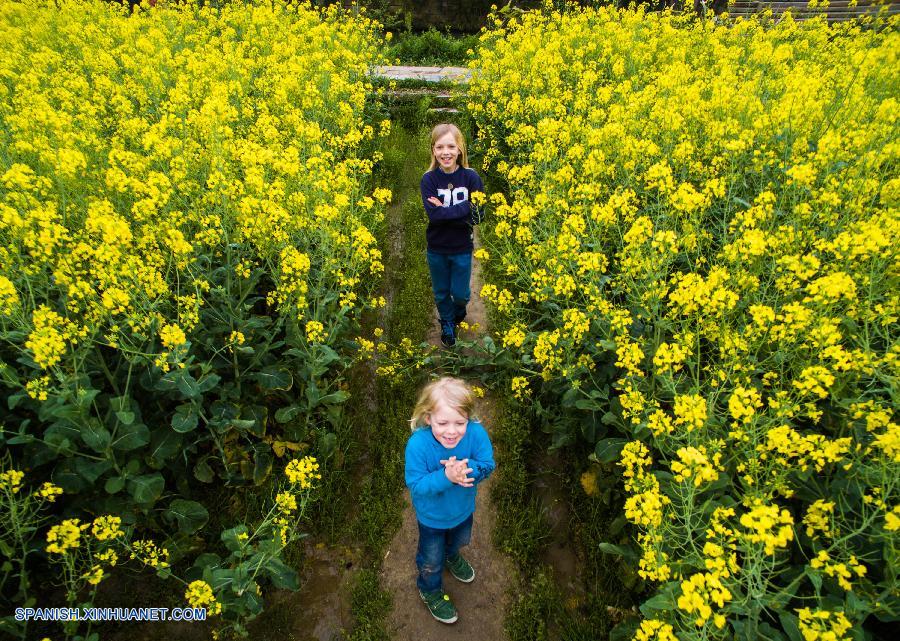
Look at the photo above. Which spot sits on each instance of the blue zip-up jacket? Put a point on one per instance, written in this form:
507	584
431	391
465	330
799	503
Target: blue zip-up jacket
440	503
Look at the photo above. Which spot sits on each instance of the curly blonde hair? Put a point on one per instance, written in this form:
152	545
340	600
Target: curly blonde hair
454	392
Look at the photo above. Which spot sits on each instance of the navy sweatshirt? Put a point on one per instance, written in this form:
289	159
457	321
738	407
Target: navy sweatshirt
450	226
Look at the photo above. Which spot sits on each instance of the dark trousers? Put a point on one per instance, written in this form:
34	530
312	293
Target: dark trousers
435	547
451	275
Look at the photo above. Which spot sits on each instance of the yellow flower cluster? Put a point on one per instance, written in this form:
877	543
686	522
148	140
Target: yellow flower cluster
819	517
286	502
519	387
124	187
107	527
843	572
199	594
65	536
690	411
696	465
48	491
823	625
148	553
11	480
647	503
767	524
731	256
653	630
315	332
700	593
303	471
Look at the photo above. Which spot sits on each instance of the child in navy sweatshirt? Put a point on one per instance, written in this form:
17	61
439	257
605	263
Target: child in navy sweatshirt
448	454
446	188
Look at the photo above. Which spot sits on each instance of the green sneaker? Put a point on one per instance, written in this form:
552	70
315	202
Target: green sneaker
460	569
440	606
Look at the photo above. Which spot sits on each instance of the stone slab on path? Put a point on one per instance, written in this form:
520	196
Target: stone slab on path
428	74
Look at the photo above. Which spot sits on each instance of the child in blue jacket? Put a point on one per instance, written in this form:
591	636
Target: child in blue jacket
446	188
447	456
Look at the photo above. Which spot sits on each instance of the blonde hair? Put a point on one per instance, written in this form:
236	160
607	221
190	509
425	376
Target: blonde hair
440	131
454	392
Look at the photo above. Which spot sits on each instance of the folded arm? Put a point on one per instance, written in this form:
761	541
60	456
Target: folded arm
437	213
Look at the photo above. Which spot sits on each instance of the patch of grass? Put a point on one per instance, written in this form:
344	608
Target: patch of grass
533	609
407	284
370	604
521	527
432	48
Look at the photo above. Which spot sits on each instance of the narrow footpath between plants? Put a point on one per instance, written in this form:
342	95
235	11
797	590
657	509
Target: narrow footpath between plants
482	603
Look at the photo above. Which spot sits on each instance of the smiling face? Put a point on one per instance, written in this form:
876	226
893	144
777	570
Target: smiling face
447	425
446	152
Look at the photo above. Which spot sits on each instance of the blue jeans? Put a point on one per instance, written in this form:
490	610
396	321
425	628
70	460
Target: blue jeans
435	547
450	278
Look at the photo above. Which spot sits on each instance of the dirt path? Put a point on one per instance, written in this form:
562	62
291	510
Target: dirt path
482	603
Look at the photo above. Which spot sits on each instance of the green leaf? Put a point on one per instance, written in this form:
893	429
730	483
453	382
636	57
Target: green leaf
312	394
609	449
231	538
286	414
188	385
262	463
13	400
114	485
588	404
209	382
274	378
185	419
327	355
131	437
815	578
125	418
191	516
164	445
94	435
260	416
609	548
120	403
85	397
208	560
242	424
334	398
790	625
224	411
618	524
147	487
662	602
624	631
203	472
327	444
282	576
91	470
626	552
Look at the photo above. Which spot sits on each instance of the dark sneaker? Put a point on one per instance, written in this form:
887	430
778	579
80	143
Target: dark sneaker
448	335
440	606
460	569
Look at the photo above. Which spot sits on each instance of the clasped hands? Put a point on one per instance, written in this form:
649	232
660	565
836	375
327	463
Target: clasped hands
458	471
